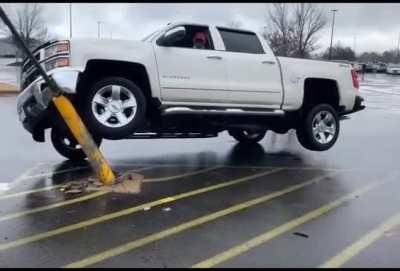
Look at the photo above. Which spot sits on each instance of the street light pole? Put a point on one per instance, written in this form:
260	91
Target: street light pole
355	42
333	23
70	20
98	29
398	45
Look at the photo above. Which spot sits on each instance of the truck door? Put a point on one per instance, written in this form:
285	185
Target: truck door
191	72
253	73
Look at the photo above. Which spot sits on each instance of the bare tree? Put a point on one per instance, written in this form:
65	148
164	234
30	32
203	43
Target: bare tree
280	30
292	29
340	52
29	23
309	20
234	24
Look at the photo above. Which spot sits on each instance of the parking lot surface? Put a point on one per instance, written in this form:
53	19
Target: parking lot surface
211	202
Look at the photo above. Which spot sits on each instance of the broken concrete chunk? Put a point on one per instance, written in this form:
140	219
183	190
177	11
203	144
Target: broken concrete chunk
129	183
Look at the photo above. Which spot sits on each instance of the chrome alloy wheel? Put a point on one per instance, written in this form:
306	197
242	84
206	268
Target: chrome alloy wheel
114	106
324	127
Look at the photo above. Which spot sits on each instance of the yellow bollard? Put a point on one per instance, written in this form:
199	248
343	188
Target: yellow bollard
82	135
69	114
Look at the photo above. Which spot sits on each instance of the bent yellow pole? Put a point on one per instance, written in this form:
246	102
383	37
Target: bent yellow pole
82	135
68	113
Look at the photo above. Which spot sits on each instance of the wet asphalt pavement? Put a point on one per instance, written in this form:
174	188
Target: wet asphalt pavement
212	202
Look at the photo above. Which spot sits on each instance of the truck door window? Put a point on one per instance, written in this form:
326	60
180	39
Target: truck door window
197	37
241	41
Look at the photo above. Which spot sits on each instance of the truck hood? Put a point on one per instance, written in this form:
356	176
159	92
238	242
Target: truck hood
114	44
83	50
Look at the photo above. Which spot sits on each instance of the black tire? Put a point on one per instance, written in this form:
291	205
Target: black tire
66	145
305	130
247	137
98	128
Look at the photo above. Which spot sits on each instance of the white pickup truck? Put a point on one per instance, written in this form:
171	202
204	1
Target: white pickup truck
187	80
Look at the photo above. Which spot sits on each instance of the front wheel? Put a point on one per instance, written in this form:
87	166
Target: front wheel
319	129
66	145
248	137
114	108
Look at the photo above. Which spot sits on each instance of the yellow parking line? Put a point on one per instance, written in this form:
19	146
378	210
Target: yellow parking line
74	169
161	179
249	166
53	173
128	211
147	180
56	205
362	243
30	191
27	192
187	225
25	176
19	178
52	206
270	234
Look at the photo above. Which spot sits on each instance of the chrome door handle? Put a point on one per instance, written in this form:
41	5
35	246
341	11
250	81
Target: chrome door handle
214	57
268	62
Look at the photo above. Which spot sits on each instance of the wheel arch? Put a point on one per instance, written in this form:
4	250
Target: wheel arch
321	90
100	68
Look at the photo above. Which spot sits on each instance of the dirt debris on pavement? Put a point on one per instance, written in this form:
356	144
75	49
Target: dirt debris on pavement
128	182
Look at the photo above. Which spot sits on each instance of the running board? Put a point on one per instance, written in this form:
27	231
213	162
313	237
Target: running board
170	135
222	111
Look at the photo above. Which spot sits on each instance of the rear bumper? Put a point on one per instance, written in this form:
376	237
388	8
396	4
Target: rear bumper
358	106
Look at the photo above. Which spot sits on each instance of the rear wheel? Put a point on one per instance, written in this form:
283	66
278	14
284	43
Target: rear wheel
320	128
248	137
66	145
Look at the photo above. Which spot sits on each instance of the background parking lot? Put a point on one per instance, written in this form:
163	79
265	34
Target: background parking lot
211	202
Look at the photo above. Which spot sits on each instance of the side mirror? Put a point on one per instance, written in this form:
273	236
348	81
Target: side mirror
172	36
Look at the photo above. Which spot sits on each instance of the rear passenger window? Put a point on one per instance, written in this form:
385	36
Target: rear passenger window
241	41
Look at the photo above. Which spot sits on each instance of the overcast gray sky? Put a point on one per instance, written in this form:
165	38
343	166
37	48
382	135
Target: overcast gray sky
368	26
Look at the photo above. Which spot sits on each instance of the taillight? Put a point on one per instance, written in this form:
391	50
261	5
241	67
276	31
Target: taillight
354	76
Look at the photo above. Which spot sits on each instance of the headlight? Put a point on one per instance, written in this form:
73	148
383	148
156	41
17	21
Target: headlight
57	63
59	48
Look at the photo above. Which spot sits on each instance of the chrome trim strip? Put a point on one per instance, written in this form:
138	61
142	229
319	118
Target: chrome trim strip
231	90
226	111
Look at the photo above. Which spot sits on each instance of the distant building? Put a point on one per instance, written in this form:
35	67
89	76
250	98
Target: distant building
7	49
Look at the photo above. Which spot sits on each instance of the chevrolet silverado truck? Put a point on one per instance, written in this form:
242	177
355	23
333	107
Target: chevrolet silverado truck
186	80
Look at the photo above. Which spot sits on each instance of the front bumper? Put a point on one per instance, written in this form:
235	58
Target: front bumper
34	100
